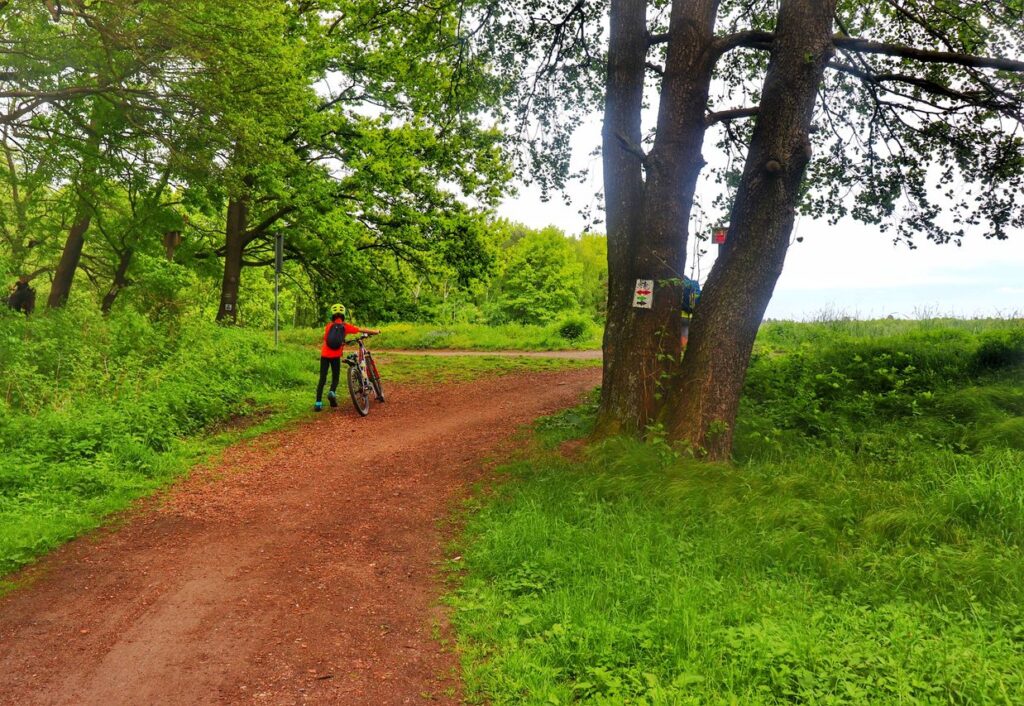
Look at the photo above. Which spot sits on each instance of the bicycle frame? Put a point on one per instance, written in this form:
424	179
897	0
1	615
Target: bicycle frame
360	358
368	381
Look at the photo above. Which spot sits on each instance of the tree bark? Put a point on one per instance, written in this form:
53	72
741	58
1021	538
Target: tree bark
621	388
64	276
238	214
172	241
120	280
648	222
703	410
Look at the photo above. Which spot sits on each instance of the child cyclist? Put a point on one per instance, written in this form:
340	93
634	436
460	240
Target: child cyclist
330	354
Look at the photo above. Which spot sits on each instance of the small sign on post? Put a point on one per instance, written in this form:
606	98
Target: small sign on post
278	264
643	295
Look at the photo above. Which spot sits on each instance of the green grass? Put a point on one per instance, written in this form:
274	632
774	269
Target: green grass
428	369
96	412
481	337
865	548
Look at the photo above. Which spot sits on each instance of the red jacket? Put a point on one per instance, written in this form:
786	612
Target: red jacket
326	352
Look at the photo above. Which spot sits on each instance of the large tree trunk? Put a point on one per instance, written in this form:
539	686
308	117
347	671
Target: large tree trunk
120	280
238	214
648	223
703	410
621	389
64	277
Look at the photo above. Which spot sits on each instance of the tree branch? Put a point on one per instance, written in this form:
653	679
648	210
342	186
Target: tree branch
253	233
937	89
730	115
751	39
633	149
866	46
757	39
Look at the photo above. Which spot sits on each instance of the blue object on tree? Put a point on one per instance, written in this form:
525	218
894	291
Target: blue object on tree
691	294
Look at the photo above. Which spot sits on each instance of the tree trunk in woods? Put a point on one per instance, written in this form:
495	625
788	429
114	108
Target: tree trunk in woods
238	214
64	276
120	280
624	186
172	241
648	220
704	405
17	239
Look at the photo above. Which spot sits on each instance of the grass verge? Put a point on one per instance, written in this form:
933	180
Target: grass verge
866	548
575	333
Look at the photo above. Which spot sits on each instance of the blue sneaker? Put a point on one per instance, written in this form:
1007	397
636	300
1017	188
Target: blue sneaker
318	406
332	398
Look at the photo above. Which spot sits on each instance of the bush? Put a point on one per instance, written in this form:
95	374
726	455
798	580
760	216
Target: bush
998	352
574	328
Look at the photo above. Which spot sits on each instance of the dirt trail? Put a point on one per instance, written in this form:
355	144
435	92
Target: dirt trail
302	569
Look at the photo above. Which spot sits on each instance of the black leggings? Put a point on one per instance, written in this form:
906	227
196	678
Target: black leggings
335	365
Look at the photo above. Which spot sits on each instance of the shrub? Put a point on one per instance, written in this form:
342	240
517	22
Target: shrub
574	328
999	351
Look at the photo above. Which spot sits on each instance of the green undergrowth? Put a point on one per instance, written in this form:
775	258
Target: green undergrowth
97	412
865	548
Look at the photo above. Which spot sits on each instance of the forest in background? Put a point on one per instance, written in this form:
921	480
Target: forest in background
152	157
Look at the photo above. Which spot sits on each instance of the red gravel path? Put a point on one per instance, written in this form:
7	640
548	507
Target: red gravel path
302	569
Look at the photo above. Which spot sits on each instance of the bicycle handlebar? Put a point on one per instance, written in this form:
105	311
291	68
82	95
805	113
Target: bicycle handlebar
361	337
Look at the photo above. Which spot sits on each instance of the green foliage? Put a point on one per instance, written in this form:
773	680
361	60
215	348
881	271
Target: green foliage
528	277
865	549
539	278
573	328
362	140
94	412
933	382
999	352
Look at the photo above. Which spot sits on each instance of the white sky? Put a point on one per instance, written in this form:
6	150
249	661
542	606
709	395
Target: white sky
848	269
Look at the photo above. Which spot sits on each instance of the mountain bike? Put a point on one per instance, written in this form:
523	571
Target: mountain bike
363	378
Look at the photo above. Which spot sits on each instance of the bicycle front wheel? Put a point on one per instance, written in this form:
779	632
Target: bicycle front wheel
360	395
371	370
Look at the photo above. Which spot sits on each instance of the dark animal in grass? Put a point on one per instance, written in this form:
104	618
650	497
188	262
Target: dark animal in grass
23	298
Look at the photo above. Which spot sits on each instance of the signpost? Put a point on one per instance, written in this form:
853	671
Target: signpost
278	262
643	294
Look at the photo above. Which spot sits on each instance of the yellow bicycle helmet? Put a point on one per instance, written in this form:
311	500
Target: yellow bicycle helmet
338	309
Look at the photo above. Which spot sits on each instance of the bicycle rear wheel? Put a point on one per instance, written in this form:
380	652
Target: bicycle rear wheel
360	395
371	370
